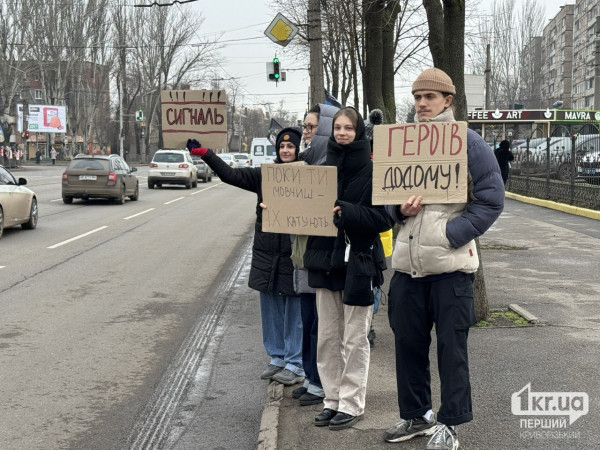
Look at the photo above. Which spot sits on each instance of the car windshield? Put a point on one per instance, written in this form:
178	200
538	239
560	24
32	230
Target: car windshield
89	164
241	157
227	157
6	177
168	157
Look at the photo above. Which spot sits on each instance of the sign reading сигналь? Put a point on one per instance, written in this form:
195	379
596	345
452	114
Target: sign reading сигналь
194	114
299	199
427	159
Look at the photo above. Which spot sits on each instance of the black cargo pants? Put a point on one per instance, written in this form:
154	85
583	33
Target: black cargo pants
415	305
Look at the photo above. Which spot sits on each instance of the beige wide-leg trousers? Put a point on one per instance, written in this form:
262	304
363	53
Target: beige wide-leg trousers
343	352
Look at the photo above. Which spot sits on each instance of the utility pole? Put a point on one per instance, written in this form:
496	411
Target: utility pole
317	88
488	74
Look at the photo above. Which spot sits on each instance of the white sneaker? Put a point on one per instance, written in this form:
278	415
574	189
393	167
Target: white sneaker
444	438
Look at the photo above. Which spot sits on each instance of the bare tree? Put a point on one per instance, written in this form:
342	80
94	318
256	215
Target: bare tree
13	70
165	54
393	35
365	44
512	34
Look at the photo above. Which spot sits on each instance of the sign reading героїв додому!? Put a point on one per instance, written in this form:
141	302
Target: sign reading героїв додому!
299	199
194	114
427	159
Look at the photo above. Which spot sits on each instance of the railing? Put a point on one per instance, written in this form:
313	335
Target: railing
577	193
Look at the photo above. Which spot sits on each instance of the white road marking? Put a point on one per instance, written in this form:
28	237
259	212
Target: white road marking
2	267
77	237
138	214
173	201
209	187
56	200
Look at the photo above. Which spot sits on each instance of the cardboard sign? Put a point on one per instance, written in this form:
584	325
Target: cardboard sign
299	199
428	159
198	114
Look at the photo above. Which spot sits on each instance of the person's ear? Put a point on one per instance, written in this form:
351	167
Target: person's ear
448	100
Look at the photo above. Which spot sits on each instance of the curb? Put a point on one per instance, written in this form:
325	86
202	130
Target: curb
269	422
576	210
524	313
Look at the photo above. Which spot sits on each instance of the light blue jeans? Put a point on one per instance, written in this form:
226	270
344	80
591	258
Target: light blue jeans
282	330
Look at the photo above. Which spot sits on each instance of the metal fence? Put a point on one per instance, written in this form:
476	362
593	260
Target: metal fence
580	194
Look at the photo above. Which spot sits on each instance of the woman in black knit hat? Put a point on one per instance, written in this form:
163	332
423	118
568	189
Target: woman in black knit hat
271	270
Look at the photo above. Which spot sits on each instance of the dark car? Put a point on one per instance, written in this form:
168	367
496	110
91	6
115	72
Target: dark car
204	172
99	176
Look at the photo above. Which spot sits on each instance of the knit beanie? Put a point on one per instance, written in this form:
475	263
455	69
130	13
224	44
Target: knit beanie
288	134
433	80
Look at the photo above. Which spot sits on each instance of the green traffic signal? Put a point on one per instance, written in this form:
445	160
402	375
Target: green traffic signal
276	74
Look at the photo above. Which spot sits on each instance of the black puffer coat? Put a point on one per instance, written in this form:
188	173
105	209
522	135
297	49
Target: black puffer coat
271	270
360	223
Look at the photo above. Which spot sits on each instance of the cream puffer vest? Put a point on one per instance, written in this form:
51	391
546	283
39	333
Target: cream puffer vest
422	247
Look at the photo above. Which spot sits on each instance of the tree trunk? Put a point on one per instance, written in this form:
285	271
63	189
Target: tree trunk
373	18
317	90
390	14
446	44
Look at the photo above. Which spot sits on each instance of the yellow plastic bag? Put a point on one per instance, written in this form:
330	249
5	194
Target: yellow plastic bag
387	240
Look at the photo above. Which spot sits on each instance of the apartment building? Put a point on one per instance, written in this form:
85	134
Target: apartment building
570	57
557	59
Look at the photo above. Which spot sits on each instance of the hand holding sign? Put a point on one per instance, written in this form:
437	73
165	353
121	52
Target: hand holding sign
412	206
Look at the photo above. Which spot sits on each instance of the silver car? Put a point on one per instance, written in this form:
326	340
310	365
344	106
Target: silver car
18	205
205	173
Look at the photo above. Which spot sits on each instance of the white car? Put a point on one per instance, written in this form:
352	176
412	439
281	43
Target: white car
229	159
172	167
243	159
18	205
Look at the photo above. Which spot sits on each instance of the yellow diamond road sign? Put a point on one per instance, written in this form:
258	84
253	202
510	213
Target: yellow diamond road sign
281	30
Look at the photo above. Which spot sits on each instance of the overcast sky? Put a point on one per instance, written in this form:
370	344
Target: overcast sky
242	24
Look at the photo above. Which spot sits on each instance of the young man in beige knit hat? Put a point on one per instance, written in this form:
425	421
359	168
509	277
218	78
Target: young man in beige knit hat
434	262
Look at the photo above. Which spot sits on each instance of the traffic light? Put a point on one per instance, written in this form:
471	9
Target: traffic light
140	115
27	134
276	73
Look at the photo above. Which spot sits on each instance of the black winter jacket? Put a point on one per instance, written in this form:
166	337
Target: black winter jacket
271	270
360	224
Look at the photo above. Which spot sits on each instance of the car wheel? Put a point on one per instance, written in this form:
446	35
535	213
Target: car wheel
150	185
67	200
121	197
33	216
1	221
136	193
195	183
210	178
189	183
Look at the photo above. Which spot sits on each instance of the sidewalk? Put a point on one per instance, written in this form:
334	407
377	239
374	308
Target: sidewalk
545	261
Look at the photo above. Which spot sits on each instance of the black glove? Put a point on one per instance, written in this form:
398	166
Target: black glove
192	143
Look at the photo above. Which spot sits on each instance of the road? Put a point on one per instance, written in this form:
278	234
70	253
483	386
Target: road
120	324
